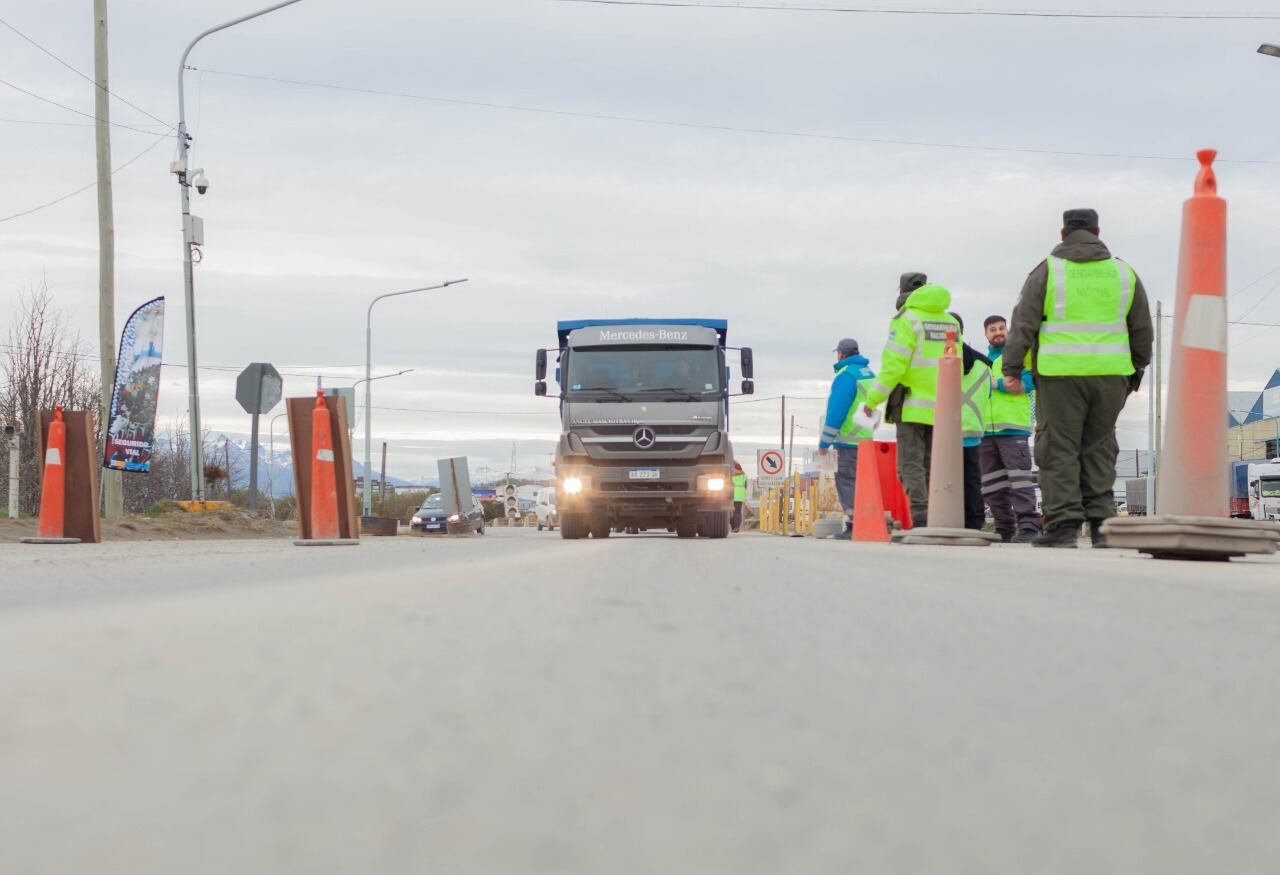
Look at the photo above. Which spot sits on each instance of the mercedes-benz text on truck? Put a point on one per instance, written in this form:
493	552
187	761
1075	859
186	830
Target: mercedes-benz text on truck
644	438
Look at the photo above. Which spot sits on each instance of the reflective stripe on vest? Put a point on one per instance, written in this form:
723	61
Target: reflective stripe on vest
1007	412
848	429
971	417
1086	308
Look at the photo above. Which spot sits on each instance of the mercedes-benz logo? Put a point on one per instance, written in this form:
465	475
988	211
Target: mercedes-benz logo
644	437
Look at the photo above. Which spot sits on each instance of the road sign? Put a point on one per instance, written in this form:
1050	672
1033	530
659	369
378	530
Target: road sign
770	465
259	388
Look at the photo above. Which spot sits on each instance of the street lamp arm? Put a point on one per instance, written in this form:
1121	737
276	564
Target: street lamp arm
444	285
182	65
383	377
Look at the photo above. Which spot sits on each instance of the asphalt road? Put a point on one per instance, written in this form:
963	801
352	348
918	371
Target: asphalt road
519	703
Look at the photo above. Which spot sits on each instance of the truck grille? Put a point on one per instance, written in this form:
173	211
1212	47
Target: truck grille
644	487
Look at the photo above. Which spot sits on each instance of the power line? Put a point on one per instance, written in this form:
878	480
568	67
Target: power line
771	132
73	109
990	13
93	184
82	75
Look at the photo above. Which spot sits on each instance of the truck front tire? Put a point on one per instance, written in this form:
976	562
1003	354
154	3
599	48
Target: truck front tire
574	525
715	524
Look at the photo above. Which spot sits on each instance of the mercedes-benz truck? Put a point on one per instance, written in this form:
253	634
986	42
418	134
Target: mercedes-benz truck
644	416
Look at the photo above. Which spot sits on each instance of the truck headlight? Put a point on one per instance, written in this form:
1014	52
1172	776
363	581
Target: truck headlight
715	484
572	485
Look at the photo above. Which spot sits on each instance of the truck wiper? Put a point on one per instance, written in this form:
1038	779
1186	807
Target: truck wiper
614	392
676	389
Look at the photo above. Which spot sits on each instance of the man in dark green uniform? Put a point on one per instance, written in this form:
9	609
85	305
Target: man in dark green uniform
1084	320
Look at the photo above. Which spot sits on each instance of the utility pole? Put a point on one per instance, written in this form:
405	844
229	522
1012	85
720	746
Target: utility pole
112	496
782	441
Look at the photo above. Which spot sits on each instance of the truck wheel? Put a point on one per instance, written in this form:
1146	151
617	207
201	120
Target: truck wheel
600	527
574	526
715	524
687	526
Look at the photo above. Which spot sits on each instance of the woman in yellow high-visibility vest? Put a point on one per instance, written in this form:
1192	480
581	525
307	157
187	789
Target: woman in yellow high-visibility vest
739	494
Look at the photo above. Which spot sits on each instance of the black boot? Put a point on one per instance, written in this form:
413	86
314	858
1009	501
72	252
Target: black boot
1095	535
1005	535
1061	535
1026	536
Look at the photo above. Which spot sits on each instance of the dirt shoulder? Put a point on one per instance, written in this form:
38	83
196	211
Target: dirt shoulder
215	525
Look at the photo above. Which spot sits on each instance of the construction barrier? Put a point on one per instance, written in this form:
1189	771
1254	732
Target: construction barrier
318	432
789	509
69	479
1192	503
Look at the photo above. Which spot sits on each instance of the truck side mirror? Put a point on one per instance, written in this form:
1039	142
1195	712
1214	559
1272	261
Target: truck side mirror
540	369
540	388
748	364
748	387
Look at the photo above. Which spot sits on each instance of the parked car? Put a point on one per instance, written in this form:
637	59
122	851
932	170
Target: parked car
545	509
432	518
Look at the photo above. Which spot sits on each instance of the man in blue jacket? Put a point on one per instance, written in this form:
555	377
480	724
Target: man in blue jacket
848	394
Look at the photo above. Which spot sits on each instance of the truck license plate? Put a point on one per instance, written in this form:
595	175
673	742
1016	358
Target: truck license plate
646	474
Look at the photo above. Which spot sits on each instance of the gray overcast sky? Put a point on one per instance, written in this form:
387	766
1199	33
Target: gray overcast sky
323	198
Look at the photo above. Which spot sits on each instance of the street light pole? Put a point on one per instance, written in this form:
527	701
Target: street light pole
181	170
368	382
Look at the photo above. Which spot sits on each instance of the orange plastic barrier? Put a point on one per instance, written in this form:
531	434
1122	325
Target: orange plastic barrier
891	489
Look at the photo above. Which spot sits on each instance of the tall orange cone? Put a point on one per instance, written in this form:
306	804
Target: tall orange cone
324	480
53	487
1192	518
946	468
868	500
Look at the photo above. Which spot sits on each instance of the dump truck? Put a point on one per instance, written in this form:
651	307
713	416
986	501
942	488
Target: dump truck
644	413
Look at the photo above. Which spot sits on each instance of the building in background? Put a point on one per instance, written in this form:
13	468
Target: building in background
1253	420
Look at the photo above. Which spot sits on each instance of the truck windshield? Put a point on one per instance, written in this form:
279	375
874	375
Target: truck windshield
684	372
1271	487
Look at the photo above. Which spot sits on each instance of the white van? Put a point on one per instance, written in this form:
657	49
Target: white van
545	509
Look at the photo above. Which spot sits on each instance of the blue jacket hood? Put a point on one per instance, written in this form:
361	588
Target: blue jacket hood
855	361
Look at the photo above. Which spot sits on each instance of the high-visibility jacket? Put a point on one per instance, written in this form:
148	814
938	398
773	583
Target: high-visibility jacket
848	394
917	338
739	487
1007	414
1085	330
975	394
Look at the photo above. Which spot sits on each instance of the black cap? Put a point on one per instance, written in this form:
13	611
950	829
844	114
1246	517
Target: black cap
848	346
1080	220
909	282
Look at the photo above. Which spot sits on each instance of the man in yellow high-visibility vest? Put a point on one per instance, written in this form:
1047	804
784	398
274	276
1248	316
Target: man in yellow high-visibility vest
1084	322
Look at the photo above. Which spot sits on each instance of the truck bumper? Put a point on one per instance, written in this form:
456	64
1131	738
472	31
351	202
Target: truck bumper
625	496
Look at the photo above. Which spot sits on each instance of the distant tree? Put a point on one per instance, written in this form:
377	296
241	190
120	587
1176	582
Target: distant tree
43	363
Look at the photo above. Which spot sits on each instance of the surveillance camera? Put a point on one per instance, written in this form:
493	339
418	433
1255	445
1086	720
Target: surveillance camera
200	181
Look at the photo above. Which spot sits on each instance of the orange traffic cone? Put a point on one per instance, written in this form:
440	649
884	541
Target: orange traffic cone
324	480
868	499
946	468
1192	501
53	487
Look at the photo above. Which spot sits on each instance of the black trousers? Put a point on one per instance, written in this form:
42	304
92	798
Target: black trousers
974	513
735	521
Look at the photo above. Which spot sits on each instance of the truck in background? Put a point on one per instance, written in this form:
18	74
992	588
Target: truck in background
644	437
1255	489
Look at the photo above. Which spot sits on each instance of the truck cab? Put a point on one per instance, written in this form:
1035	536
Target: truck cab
1264	490
644	440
